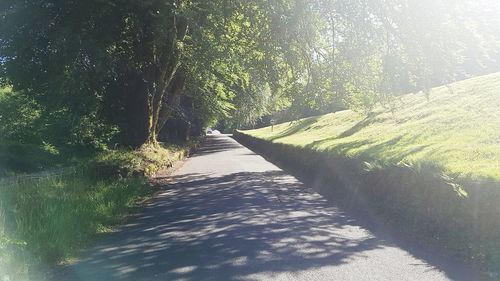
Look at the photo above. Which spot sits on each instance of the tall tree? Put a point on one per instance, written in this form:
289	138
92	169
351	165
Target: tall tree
101	67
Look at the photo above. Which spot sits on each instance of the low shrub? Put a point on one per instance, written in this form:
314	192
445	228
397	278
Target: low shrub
145	161
18	158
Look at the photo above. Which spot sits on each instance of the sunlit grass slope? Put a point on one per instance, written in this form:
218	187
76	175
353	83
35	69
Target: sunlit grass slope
455	127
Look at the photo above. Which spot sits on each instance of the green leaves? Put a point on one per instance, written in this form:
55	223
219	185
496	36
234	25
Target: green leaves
112	62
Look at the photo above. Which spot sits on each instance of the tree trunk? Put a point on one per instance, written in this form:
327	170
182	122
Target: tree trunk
136	131
163	80
158	88
171	99
168	60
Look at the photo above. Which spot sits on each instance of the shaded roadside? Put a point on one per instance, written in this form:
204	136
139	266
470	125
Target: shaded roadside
228	214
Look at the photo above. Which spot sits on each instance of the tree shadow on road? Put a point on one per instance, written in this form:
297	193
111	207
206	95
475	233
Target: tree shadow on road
226	228
238	226
215	144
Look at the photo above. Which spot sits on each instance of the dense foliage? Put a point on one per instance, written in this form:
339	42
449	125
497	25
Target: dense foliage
86	76
95	73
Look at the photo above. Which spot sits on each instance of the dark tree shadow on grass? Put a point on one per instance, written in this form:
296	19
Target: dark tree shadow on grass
368	120
373	149
295	127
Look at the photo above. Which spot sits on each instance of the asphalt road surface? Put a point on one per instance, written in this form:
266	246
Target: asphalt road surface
228	214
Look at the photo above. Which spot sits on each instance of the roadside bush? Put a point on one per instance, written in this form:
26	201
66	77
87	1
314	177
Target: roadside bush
25	125
145	161
18	117
24	158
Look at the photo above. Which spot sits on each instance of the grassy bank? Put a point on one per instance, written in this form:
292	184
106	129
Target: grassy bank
456	127
46	218
430	166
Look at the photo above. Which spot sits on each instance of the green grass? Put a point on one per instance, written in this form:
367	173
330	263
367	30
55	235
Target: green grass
46	219
456	128
429	167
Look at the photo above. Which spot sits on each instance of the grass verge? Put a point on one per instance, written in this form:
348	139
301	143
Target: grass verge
430	167
47	218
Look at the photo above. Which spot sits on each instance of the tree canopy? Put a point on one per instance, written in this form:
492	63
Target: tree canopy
120	71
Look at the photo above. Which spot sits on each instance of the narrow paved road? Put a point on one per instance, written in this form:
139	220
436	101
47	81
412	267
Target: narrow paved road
228	214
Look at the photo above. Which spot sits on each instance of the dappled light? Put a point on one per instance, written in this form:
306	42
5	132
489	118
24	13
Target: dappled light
230	227
121	123
240	226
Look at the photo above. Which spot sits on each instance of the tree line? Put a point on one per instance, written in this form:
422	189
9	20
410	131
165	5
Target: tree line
99	73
